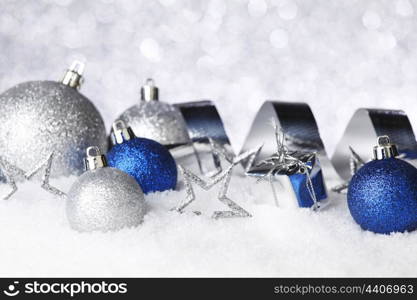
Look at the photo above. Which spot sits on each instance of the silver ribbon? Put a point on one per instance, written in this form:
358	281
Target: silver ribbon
363	129
297	122
204	124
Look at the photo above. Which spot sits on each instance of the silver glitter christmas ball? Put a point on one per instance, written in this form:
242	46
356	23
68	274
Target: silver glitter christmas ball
39	117
156	120
105	199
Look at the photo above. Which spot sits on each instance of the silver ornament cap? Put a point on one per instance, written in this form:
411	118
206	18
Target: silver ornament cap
94	159
104	198
156	120
149	92
121	133
384	149
73	76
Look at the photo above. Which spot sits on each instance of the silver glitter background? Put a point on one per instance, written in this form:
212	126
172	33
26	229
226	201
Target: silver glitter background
158	121
41	117
105	199
335	55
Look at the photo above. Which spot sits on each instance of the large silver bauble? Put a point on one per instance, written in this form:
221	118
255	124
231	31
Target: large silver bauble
157	121
105	199
39	117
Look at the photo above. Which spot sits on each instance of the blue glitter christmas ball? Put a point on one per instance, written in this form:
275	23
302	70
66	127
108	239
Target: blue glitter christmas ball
382	196
147	161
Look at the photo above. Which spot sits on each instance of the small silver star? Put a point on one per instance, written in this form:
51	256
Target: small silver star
224	177
12	172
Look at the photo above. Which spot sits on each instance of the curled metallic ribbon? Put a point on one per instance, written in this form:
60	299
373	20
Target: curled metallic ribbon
204	124
363	129
298	124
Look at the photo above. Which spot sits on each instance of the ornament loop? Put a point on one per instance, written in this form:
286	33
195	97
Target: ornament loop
73	76
121	133
94	159
149	92
385	149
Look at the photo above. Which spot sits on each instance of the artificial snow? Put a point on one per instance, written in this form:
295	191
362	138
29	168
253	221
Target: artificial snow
337	56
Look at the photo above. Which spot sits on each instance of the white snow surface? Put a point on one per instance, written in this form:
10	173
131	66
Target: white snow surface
336	55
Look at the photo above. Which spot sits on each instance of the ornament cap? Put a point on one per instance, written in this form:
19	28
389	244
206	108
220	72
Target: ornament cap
94	159
73	76
149	92
384	149
121	133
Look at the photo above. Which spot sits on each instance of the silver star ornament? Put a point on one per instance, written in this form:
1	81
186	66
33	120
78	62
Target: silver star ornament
12	173
223	177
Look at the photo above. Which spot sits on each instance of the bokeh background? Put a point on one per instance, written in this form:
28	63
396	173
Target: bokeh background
335	55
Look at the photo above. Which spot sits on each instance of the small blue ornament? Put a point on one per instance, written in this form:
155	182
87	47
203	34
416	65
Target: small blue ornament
382	195
150	163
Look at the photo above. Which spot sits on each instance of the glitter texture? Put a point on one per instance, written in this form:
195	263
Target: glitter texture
147	161
105	199
158	121
382	196
40	117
